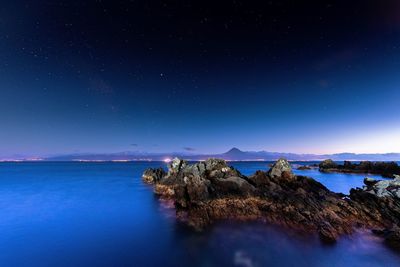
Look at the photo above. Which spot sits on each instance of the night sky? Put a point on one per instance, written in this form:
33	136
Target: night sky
199	76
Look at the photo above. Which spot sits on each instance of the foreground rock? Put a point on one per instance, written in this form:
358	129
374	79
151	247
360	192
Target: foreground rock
211	190
381	199
386	169
387	188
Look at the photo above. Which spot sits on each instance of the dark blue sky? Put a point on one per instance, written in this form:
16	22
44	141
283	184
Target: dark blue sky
108	76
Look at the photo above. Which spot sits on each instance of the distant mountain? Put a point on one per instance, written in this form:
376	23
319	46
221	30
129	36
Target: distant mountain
233	154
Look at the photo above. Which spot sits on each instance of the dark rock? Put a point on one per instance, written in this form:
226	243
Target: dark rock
386	169
303	168
196	188
176	165
152	176
281	168
369	181
260	179
209	179
211	190
392	239
384	188
327	233
366	166
327	164
348	165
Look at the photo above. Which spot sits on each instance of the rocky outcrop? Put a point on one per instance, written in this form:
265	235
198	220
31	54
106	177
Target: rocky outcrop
281	168
152	176
327	164
385	188
386	169
211	190
304	168
392	238
203	181
381	201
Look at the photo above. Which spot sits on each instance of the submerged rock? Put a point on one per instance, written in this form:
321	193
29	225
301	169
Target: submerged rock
391	236
211	190
392	239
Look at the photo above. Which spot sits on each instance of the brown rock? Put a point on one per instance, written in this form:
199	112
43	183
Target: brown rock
211	190
152	176
392	239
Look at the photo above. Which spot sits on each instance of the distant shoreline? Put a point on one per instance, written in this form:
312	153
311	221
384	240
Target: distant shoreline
233	155
163	161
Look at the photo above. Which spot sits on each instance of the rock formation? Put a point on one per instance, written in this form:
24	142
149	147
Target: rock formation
211	190
152	176
281	168
385	188
304	168
381	199
386	169
327	165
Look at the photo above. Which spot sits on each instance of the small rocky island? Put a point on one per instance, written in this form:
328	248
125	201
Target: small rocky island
211	190
386	169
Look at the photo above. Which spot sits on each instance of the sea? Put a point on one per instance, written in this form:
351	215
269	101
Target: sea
101	214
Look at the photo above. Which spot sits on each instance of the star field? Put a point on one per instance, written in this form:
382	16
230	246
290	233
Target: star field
98	76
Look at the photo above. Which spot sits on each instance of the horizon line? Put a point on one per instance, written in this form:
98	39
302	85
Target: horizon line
192	153
80	157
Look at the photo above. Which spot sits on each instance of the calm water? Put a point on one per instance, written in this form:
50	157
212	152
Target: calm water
101	214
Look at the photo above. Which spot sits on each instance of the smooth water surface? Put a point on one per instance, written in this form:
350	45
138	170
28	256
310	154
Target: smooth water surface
101	214
336	182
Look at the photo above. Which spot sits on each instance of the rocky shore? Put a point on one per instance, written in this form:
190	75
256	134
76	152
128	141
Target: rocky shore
386	169
211	190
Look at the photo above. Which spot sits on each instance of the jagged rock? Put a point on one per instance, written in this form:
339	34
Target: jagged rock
260	179
211	190
391	236
327	164
281	168
152	176
215	164
176	165
192	183
164	190
327	233
385	188
232	185
196	188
